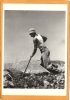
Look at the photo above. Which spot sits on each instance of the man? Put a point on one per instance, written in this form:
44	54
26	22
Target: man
39	42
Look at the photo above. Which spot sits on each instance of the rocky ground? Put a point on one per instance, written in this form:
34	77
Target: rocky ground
36	77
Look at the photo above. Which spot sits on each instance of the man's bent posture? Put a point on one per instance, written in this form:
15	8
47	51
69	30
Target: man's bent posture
39	42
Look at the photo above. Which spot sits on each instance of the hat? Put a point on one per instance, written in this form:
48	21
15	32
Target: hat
32	31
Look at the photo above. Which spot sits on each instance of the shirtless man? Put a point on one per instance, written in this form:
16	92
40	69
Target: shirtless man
39	42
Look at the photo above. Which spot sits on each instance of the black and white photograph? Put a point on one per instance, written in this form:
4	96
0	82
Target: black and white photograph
35	48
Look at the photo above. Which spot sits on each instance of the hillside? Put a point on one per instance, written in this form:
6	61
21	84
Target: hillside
34	66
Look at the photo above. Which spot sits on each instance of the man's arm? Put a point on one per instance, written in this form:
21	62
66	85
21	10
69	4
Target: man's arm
35	47
44	38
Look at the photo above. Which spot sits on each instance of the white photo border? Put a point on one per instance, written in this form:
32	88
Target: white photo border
37	92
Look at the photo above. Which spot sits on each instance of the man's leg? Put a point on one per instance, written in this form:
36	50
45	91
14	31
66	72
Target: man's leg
45	59
45	62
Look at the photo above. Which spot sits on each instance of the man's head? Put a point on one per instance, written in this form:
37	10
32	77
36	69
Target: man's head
32	32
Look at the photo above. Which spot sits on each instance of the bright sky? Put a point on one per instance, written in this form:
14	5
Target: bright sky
18	44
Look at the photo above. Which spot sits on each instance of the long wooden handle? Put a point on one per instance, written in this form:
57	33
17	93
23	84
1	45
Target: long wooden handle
27	65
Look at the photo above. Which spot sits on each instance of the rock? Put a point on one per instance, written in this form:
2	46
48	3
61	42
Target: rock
46	83
59	77
25	86
11	83
8	79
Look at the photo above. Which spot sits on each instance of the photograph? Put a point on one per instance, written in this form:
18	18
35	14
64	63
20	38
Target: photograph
34	49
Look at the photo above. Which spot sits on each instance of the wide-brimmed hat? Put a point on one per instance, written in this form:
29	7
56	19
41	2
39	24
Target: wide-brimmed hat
32	31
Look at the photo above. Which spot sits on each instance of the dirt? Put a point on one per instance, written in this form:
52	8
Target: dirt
33	79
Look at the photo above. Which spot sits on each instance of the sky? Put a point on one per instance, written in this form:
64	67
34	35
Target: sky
18	45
